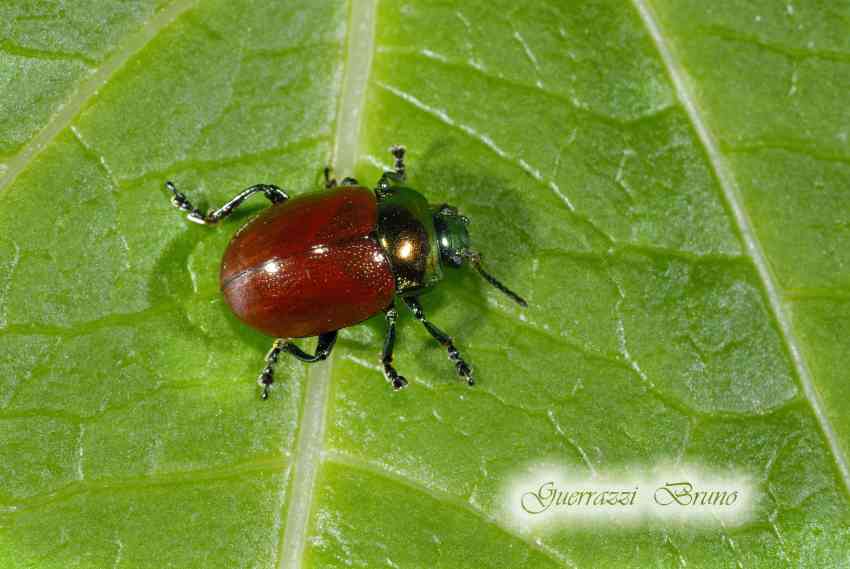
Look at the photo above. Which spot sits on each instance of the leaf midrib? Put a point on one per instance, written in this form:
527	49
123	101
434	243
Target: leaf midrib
308	453
752	246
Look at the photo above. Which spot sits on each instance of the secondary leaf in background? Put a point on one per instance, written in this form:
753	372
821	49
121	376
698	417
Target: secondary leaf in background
130	431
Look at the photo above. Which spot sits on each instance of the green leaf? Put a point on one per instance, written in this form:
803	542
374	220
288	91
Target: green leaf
665	182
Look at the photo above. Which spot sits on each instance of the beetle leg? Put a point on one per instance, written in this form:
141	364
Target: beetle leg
329	182
463	369
178	200
399	173
390	373
323	349
332	183
267	376
398	153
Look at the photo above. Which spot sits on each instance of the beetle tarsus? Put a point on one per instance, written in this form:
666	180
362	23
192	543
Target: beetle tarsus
265	382
397	176
266	378
461	367
181	202
332	183
398	153
398	381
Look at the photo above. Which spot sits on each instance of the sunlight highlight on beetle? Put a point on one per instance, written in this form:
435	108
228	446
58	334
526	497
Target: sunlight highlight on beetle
405	249
271	267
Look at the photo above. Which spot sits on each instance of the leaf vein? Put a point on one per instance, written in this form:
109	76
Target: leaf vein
577	106
91	86
364	466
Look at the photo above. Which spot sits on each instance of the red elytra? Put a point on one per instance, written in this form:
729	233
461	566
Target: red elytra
309	265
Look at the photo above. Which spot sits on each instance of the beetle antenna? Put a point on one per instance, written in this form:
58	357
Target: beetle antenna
475	259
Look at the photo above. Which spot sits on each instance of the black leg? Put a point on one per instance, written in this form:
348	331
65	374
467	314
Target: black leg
178	200
463	369
329	182
332	183
323	350
390	373
399	173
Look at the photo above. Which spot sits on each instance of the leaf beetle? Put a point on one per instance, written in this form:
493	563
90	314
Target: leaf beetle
326	260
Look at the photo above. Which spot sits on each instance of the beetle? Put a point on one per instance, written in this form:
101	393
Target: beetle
326	260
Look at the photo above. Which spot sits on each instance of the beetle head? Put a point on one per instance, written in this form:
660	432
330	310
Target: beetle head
455	250
452	235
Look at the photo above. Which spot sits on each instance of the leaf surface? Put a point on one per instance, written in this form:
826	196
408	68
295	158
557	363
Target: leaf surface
665	184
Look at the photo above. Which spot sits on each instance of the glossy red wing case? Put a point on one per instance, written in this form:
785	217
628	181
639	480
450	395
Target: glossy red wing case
309	265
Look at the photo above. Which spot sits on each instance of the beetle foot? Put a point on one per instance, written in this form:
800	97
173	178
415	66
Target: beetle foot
397	150
197	217
399	382
178	199
265	381
461	367
181	202
464	372
398	153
